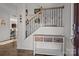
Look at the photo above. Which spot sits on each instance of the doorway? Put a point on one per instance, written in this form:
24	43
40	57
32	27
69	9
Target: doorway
13	28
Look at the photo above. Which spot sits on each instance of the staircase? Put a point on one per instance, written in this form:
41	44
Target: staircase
46	17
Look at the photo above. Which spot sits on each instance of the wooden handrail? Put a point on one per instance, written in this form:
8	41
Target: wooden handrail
38	13
52	8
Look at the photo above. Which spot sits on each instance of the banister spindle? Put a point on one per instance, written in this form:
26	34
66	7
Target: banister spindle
60	17
54	17
51	17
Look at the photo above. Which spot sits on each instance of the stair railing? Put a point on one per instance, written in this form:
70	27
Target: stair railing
32	23
52	17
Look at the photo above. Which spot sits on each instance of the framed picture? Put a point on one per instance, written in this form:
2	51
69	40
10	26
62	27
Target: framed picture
2	22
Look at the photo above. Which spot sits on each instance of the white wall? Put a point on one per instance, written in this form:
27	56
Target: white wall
28	43
68	17
5	30
6	11
21	25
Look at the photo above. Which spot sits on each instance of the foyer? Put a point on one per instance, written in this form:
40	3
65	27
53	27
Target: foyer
36	29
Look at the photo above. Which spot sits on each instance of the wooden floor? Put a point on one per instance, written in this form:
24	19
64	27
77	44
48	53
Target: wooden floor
21	52
9	49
